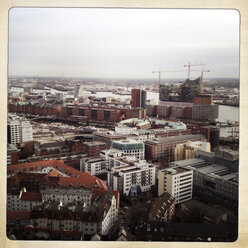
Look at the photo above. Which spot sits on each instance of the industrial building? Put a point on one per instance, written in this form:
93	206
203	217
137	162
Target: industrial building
213	181
205	112
102	112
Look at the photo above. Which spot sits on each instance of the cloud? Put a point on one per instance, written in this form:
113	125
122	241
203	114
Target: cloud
120	42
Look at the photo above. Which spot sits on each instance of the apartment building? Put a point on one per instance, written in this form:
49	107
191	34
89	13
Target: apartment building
132	178
67	195
95	166
178	182
163	208
75	217
23	200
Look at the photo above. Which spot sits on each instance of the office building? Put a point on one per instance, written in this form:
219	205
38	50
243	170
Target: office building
93	148
19	130
178	182
214	179
164	147
138	98
130	148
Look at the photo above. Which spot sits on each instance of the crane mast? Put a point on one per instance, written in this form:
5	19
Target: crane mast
189	66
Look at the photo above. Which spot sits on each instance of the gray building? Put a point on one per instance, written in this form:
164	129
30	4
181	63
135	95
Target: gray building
212	181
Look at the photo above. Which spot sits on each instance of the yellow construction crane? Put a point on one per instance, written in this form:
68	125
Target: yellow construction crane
201	83
189	65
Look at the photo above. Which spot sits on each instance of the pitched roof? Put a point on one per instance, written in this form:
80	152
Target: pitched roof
75	177
22	215
160	206
31	196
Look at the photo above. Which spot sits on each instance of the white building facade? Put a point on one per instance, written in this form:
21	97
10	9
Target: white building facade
132	178
178	182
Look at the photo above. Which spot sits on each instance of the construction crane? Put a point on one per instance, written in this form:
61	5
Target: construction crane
159	76
189	65
201	83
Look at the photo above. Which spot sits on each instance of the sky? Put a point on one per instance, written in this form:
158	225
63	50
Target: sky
123	43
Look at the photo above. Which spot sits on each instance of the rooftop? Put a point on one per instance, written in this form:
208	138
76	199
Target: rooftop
74	177
171	139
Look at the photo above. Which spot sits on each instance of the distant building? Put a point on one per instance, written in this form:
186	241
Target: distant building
130	125
164	147
12	154
18	89
204	112
187	150
130	148
19	130
26	131
178	182
212	134
189	89
138	98
93	148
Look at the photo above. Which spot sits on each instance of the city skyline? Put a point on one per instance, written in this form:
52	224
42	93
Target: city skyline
122	43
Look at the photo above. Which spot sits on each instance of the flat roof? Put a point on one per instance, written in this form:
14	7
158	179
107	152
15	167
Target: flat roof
170	139
175	170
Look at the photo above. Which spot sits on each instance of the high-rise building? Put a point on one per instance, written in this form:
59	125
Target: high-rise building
178	182
26	131
19	130
14	136
138	98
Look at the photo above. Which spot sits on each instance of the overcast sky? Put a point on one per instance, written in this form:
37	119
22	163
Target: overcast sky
122	43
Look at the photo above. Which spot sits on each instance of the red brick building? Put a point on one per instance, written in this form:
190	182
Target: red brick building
164	147
92	149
